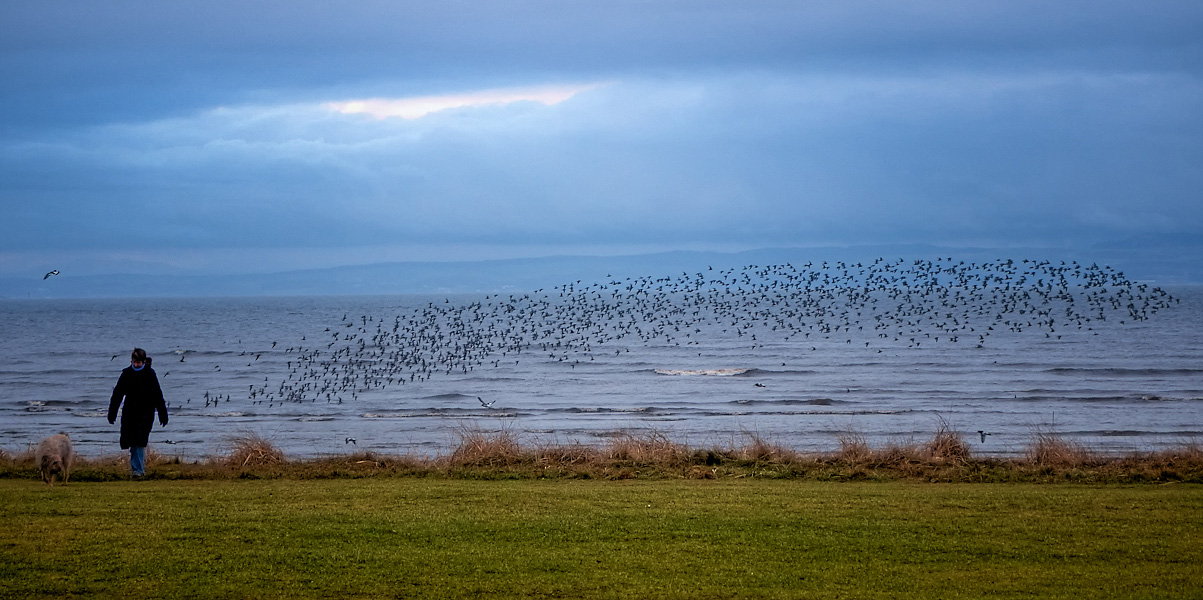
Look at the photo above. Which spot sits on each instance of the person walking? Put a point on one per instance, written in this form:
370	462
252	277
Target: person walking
139	387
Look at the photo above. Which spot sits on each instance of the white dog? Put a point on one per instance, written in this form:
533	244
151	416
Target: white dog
54	457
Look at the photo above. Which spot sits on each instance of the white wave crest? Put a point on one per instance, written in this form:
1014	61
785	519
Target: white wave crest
710	372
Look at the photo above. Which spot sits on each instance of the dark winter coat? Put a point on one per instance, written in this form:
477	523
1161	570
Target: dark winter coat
143	396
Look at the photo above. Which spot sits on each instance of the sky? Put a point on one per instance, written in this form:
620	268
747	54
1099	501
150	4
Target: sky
242	137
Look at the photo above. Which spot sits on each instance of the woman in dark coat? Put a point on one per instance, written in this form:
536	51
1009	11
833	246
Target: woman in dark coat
139	387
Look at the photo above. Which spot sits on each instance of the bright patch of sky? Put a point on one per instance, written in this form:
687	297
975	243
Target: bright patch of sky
420	106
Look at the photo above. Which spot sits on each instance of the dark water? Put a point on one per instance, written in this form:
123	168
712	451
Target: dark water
1115	387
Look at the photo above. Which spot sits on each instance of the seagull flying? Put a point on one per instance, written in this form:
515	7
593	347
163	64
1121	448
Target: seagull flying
488	404
47	276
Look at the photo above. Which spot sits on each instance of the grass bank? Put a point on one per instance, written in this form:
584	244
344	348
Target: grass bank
946	457
456	538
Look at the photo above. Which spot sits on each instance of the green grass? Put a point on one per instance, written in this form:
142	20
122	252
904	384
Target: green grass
428	537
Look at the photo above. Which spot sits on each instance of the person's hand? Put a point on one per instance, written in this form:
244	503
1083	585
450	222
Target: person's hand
111	421
162	422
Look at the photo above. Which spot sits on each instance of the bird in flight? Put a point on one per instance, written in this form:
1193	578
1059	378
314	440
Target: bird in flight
488	404
47	276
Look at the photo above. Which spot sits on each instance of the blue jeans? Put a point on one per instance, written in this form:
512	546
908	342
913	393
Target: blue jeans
137	460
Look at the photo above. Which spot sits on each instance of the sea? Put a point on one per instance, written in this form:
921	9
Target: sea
412	374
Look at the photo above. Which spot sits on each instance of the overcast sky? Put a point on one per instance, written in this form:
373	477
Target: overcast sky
255	136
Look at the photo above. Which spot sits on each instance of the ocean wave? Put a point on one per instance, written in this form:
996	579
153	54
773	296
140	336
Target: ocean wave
1121	372
406	414
59	403
46	376
788	402
737	372
449	396
47	409
1145	398
1157	398
1064	398
439	413
744	413
777	372
199	354
604	409
702	372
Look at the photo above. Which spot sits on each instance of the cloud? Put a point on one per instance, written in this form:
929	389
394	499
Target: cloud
736	159
420	106
779	123
76	62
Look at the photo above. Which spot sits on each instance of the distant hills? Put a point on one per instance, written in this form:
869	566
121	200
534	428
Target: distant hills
1170	261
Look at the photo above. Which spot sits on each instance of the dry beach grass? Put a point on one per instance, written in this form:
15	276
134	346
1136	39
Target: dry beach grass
503	454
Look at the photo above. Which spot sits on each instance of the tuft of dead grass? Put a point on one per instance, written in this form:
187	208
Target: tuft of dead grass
1050	449
854	448
897	455
759	449
252	449
479	448
652	447
947	445
360	464
1183	463
566	455
1189	454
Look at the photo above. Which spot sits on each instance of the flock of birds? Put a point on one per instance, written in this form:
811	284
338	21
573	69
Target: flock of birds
887	304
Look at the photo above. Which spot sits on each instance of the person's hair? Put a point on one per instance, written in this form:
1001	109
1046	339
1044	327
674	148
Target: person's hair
138	354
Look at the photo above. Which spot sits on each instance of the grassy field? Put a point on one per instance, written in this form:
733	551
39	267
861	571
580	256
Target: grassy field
431	537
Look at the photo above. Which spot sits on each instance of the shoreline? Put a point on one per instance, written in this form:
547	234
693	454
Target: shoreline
946	457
